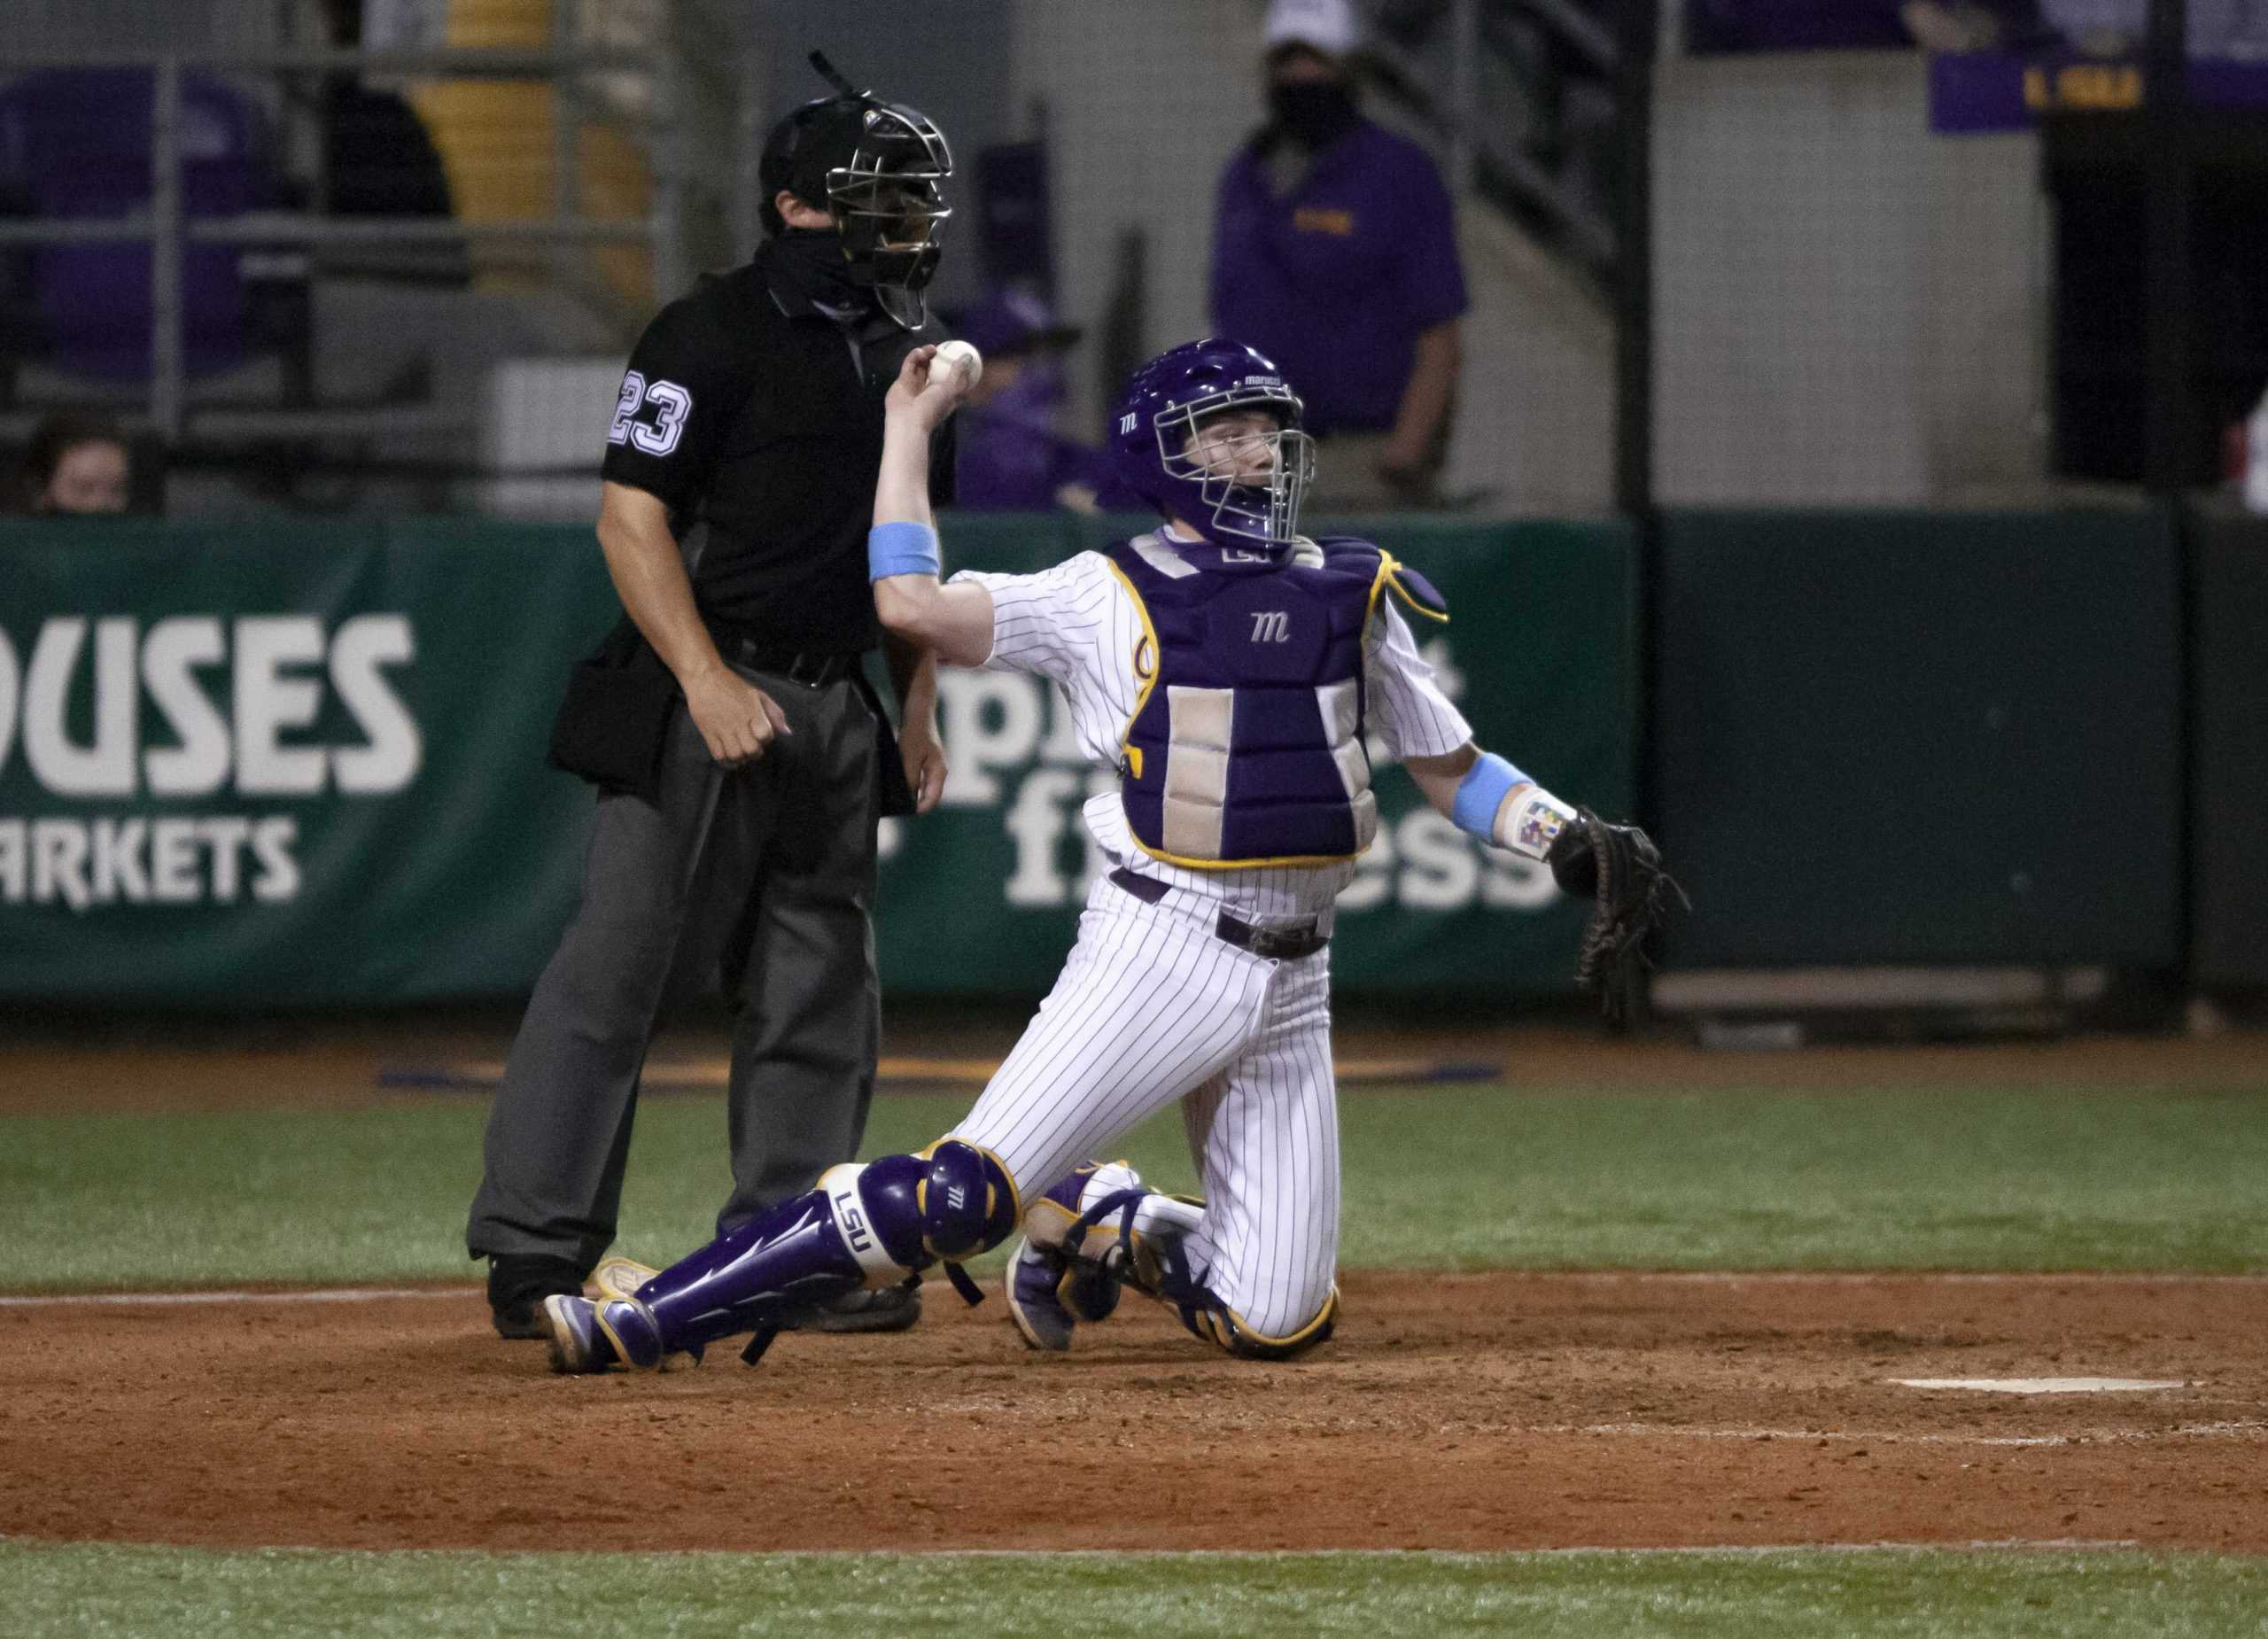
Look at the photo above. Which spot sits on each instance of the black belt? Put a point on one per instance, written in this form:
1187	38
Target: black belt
1284	943
811	670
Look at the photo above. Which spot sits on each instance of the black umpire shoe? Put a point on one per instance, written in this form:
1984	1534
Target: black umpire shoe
892	1309
517	1284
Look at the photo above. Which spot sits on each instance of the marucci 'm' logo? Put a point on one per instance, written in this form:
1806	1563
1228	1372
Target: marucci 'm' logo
1271	625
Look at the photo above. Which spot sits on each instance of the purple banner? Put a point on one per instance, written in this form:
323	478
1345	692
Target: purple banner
1972	93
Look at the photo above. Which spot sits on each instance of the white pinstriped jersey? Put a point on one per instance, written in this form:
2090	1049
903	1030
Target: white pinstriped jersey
1153	1006
1077	625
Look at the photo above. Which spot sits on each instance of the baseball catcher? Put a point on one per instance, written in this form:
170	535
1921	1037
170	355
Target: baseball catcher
1231	675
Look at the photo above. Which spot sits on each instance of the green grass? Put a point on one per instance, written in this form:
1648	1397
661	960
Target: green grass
1459	1176
1465	1176
96	1592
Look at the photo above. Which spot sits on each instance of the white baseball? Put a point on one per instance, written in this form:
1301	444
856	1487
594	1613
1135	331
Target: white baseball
957	355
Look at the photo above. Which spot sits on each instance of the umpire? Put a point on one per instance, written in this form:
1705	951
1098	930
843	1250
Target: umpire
742	757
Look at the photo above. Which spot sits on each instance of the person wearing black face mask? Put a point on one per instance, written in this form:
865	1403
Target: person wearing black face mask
741	759
1334	252
1308	114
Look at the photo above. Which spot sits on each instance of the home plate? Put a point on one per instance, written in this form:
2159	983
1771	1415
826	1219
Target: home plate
2044	1385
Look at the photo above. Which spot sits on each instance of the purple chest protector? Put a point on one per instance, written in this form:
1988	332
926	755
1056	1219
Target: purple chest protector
1246	747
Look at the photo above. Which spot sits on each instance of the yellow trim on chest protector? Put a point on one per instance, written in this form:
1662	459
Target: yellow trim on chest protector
1129	753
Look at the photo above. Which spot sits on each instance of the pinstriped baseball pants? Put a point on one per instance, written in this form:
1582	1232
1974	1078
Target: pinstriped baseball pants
1152	1008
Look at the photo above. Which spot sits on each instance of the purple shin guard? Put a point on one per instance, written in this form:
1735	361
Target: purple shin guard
777	1268
863	1226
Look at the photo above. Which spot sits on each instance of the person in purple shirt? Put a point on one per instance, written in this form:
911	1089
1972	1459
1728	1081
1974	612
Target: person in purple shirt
1012	455
1334	252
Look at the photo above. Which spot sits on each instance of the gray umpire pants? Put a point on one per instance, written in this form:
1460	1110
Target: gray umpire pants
765	875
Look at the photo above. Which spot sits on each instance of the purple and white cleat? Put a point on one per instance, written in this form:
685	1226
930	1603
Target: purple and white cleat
1053	1284
587	1337
1049	1294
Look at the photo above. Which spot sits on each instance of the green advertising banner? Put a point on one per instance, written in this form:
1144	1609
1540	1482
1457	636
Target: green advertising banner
294	763
285	763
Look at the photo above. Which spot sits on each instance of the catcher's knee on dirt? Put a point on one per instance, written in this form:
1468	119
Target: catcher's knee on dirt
1286	1326
1219	1324
872	1225
1140	1237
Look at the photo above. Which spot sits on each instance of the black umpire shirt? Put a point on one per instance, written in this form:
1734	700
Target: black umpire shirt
751	411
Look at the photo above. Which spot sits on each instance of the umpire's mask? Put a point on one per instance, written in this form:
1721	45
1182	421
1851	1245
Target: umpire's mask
878	168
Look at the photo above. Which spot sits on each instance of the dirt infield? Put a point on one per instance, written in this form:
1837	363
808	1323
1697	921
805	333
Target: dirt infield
1483	1412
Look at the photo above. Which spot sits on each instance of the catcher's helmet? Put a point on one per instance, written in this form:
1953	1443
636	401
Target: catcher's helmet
1152	434
877	168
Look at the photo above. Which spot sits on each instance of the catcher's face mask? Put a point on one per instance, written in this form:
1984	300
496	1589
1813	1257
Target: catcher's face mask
1251	470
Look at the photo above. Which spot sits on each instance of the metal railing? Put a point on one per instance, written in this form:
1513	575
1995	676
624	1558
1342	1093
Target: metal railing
166	230
1484	158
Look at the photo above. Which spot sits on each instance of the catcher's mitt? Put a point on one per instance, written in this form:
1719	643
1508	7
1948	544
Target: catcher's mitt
1619	866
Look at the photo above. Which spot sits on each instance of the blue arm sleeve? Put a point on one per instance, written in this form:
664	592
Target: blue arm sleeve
1481	791
902	549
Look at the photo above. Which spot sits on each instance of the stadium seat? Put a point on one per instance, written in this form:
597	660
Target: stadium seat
76	144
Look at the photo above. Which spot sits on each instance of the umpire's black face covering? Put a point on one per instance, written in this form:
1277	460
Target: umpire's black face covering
812	257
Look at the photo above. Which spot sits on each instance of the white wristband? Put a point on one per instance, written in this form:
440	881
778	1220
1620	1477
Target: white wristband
1528	821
